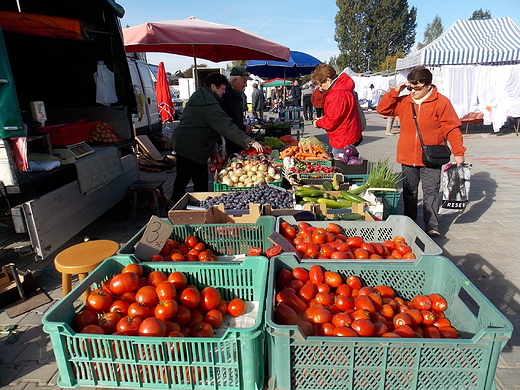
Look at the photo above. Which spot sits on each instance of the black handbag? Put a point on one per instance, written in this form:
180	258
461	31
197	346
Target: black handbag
433	156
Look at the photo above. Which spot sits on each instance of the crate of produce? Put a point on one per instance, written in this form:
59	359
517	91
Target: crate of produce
296	361
389	199
224	239
68	133
351	169
221	187
277	129
232	359
380	231
358	180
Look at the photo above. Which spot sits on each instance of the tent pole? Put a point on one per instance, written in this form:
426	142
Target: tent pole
195	77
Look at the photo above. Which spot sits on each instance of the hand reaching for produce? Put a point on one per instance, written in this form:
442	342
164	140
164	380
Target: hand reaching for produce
257	146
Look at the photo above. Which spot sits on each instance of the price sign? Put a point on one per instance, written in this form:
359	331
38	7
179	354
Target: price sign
155	235
277	239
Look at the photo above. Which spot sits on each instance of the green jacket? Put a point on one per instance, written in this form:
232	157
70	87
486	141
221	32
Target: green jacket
202	122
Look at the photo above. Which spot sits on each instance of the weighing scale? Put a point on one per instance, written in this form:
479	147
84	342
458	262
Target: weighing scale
70	153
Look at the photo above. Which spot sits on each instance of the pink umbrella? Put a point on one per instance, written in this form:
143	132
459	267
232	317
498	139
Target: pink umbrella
164	97
200	39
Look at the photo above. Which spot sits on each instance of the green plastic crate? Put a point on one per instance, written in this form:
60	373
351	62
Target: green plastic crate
296	361
356	179
232	361
390	200
221	187
224	239
379	231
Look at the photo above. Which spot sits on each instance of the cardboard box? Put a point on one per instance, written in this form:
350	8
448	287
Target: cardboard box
8	290
180	214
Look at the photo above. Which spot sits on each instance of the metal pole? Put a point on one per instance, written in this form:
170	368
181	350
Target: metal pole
195	76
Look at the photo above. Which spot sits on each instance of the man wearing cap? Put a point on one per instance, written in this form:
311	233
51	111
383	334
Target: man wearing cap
233	104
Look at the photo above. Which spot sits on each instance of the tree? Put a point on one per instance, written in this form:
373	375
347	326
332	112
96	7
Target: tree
432	31
368	31
188	73
480	15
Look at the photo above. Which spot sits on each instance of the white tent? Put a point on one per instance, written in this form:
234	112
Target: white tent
476	64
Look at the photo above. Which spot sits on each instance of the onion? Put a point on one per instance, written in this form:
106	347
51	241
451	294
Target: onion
271	171
235	178
243	178
239	165
254	168
350	151
262	168
247	167
239	171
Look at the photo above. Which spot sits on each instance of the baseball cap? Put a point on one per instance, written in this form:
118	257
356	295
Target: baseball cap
240	71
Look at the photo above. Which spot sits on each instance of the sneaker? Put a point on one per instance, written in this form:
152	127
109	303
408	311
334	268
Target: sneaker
433	233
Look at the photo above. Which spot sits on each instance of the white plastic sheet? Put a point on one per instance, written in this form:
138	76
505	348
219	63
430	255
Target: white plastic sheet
105	85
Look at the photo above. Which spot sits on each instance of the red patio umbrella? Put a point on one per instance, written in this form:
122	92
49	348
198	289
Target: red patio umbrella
164	97
200	39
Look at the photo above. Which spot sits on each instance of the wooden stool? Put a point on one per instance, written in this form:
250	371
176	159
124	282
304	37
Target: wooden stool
81	259
152	185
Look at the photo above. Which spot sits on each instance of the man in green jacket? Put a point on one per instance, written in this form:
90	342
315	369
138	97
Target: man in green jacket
194	139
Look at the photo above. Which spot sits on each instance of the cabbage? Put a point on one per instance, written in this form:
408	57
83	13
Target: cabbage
355	161
350	151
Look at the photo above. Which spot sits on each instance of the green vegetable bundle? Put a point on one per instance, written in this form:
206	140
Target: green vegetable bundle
383	176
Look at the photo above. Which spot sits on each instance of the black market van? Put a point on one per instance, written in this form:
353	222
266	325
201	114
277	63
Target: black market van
50	51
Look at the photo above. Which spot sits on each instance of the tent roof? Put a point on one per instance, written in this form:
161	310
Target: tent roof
489	41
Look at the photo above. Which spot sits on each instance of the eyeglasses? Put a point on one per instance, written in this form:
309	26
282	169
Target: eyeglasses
409	87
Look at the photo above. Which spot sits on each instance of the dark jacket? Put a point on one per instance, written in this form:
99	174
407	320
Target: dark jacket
341	120
437	120
233	104
202	122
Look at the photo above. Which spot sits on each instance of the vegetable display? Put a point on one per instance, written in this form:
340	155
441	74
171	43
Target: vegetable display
103	133
331	243
383	176
249	171
157	305
324	303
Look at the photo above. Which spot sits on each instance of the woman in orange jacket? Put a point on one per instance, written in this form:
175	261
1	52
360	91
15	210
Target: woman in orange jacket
438	122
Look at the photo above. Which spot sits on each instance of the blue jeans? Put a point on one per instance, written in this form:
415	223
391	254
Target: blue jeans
430	179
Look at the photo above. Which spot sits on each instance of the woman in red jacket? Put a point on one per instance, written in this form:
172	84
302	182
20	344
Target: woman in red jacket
341	118
317	102
438	122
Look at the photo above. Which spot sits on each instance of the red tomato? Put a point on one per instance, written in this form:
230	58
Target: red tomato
337	255
215	318
344	331
166	290
399	240
255	251
295	303
283	277
364	328
296	284
438	303
120	306
360	253
386	311
312	250
129	325
139	309
99	300
402	319
326	251
273	251
326	329
343	303
108	322
300	274
344	289
307	292
431	332
183	315
409	256
236	307
152	327
427	317
322	287
306	328
324	298
354	282
135	268
191	241
178	279
441	322
391	335
156	277
147	296
341	319
422	302
333	228
403	249
92	329
364	303
209	298
448	332
315	274
156	258
404	331
378	248
333	279
388	245
83	318
289	232
416	316
321	315
385	291
284	315
282	295
223	307
166	309
202	329
189	297
165	251
354	242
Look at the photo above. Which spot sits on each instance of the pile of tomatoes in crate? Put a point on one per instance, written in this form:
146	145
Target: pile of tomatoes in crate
330	243
321	303
191	249
155	305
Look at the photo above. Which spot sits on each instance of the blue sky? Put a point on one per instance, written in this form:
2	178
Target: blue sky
300	25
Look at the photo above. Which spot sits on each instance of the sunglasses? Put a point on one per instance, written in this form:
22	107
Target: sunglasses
409	87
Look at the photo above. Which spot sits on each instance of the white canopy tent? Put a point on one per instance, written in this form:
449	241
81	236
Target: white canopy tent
476	64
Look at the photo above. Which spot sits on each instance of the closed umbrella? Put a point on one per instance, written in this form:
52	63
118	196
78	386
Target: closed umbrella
164	97
200	39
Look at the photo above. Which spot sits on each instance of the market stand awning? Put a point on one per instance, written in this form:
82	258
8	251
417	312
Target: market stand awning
276	82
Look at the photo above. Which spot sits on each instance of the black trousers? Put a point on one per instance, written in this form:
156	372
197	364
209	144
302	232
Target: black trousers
187	170
319	112
307	110
430	179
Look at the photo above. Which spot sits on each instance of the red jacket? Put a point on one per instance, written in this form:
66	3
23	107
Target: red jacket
437	120
317	99
341	120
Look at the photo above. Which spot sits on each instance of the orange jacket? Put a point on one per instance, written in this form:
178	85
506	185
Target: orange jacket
437	119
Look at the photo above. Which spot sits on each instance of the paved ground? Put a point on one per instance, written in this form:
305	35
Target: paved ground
482	242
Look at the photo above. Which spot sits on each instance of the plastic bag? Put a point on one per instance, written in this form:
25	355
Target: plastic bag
456	183
105	85
219	156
